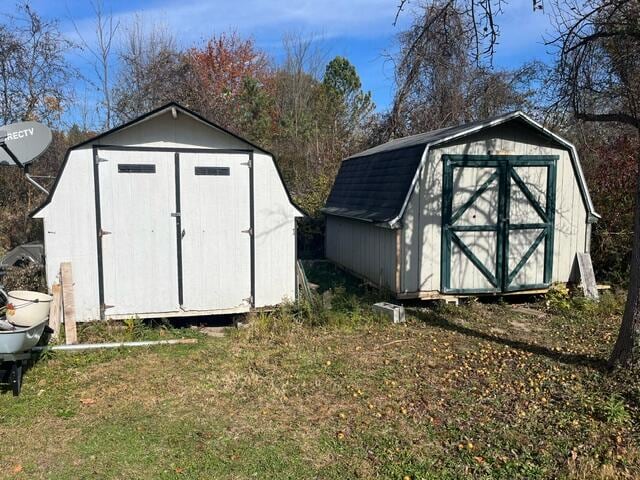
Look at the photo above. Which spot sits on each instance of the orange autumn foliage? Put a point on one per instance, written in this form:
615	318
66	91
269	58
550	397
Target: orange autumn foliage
221	68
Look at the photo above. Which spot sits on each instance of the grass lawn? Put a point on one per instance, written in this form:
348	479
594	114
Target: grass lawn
478	391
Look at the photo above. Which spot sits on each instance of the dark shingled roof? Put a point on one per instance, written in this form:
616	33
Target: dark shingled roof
373	187
423	139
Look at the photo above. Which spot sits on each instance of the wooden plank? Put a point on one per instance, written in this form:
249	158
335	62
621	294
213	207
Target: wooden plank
55	314
587	277
436	295
68	304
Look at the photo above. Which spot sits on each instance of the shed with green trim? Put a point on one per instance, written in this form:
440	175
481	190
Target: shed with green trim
492	207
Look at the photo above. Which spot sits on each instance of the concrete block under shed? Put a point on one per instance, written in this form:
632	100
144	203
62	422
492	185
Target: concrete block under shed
394	312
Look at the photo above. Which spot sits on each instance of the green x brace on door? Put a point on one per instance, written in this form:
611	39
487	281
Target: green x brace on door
497	222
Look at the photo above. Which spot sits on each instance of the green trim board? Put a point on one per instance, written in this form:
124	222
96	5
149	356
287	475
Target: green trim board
478	264
483	188
527	193
500	276
532	248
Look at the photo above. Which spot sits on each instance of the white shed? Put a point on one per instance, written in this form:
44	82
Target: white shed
170	215
493	207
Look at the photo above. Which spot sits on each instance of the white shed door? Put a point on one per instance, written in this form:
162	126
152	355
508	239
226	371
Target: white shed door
215	222
139	249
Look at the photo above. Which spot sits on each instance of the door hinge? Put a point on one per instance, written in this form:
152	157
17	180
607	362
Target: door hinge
248	163
248	230
176	214
249	300
106	307
100	159
102	233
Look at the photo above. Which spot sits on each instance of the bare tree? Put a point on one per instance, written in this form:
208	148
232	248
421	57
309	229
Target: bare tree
598	65
441	79
100	54
34	79
296	83
152	70
480	23
33	71
302	67
598	79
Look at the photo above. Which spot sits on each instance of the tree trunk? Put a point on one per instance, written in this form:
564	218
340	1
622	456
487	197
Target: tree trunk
625	351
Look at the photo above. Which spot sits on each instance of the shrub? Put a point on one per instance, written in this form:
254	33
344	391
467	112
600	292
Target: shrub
558	298
614	410
612	183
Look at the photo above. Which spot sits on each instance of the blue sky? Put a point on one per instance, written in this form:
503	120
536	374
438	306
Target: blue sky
361	30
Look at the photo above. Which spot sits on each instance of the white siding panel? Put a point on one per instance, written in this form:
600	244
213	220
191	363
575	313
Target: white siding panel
532	273
70	232
165	131
275	235
363	248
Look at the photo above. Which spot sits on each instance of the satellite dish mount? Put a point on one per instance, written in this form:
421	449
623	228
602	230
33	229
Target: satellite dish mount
21	143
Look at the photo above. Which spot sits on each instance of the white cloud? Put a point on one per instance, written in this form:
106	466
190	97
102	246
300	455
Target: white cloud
192	20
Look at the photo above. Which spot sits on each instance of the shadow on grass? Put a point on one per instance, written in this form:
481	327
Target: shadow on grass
438	320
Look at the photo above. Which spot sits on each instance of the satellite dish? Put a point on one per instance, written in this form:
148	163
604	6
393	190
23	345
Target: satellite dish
25	140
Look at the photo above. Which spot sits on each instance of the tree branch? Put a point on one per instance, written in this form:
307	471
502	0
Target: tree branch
619	117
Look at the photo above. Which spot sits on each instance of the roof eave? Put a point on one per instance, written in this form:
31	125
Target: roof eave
390	224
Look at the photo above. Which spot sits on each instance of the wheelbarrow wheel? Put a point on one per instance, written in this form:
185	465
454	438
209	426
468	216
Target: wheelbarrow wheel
16	378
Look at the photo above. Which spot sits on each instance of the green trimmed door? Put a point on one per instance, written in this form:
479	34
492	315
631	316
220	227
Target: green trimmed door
498	218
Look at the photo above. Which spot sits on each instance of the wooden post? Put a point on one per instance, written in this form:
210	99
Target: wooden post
587	276
66	277
55	314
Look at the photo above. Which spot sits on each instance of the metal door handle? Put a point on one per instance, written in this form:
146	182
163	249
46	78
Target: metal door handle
184	232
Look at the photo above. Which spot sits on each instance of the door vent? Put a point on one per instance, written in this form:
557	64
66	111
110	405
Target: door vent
136	168
212	171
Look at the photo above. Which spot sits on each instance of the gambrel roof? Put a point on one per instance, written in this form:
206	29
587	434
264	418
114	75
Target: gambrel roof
174	108
375	185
